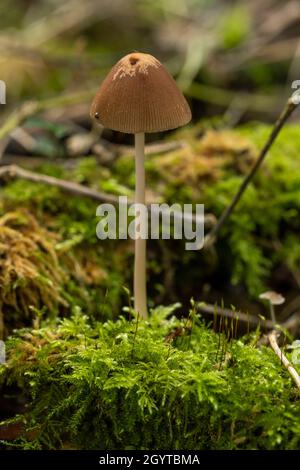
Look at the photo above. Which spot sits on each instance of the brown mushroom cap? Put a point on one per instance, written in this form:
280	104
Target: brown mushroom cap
139	95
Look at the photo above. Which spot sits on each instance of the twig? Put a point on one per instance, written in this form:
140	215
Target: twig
227	313
153	148
29	108
288	110
14	171
35	162
290	308
273	342
290	324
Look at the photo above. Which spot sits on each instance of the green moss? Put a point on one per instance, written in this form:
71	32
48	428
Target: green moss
259	232
160	384
254	243
86	272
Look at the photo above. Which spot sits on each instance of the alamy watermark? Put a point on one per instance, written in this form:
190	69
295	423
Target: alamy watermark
152	222
2	92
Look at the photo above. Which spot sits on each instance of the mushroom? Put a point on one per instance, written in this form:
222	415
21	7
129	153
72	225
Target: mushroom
138	96
274	298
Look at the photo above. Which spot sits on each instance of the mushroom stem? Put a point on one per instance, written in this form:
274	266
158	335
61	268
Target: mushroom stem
140	296
272	312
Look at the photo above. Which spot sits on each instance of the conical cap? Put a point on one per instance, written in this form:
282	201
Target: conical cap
139	95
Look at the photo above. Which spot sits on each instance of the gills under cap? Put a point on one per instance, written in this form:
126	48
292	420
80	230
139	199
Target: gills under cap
139	95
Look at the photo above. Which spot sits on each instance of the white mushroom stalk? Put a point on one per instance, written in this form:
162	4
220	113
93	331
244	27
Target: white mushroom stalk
140	296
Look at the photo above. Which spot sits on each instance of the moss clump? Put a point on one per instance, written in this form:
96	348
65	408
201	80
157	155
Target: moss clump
160	384
85	272
30	273
43	272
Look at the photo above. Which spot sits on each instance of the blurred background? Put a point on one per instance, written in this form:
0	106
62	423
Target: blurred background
235	61
238	57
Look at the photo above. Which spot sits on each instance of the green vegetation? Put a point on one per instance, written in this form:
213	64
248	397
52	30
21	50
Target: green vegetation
82	371
258	240
162	384
58	267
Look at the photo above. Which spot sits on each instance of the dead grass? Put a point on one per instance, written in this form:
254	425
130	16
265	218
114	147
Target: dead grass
30	273
206	159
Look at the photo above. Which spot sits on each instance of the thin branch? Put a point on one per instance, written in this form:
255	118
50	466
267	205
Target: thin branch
153	148
286	113
29	108
225	312
14	171
291	323
108	149
273	342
